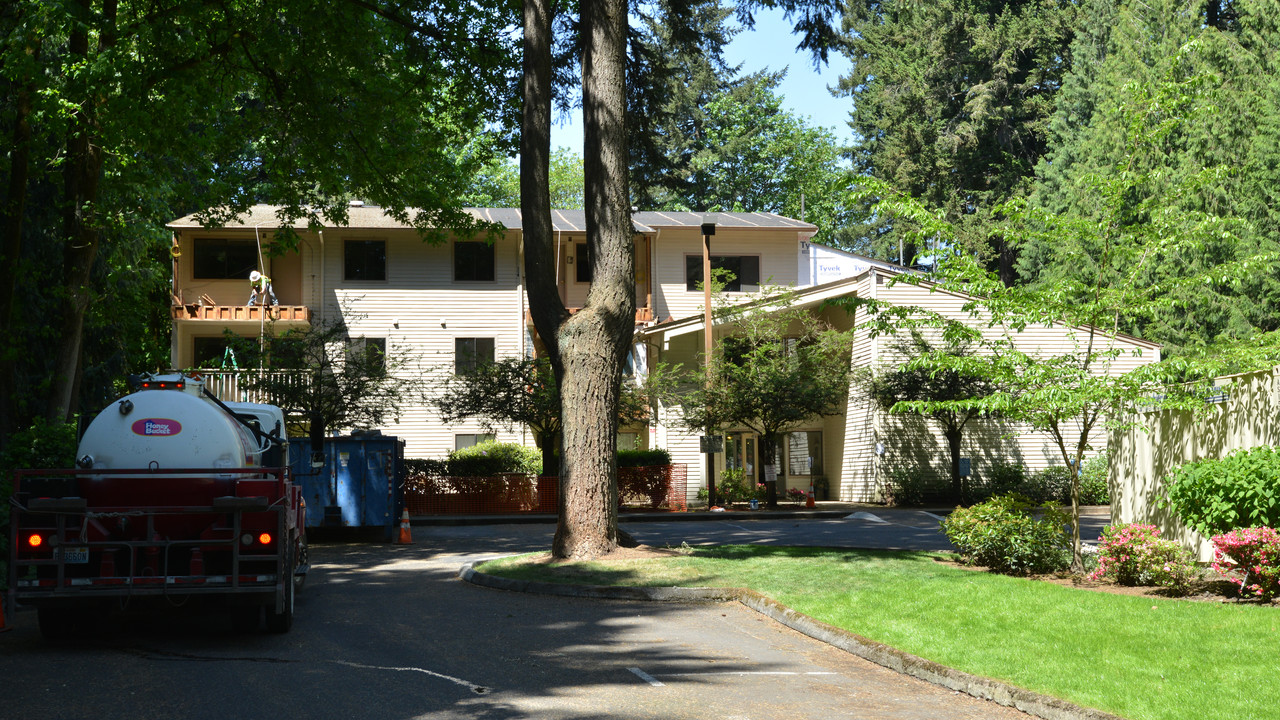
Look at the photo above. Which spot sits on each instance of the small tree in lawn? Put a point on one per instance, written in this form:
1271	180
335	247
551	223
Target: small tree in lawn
1136	228
780	367
522	391
895	389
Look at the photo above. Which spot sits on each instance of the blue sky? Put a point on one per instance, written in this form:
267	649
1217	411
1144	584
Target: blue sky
771	45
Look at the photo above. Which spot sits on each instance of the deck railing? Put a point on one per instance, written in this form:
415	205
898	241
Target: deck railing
241	385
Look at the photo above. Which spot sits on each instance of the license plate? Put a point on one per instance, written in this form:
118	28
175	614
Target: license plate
75	555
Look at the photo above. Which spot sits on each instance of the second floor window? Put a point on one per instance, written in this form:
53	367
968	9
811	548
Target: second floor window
745	270
472	261
471	353
221	259
369	353
364	260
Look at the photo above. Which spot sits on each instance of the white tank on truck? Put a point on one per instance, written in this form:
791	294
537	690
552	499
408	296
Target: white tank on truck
169	425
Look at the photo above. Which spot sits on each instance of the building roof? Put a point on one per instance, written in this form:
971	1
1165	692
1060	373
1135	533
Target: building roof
815	295
370	217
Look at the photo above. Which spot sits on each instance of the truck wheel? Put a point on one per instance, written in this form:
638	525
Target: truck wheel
280	622
300	579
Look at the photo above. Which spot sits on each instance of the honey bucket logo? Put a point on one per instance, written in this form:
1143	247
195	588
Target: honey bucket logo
156	427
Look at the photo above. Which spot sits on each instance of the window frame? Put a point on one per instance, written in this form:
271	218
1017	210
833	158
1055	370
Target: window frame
475	360
201	246
476	439
582	259
472	265
692	285
347	245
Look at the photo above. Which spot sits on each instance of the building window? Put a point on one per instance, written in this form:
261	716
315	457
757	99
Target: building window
221	259
470	440
471	353
628	441
804	453
744	271
364	260
582	256
368	353
472	261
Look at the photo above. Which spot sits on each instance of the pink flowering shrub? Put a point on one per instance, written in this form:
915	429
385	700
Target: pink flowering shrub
1134	554
1256	555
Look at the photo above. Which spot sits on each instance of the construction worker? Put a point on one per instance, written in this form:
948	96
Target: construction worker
260	283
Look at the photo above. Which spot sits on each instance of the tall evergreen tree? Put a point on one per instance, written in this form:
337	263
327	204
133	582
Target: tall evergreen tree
1221	159
951	101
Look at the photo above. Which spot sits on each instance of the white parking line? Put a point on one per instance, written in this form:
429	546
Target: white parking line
477	689
646	677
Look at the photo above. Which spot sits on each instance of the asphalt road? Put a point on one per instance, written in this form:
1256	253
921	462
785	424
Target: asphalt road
389	632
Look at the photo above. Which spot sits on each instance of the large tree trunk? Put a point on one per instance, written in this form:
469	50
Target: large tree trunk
80	228
594	342
80	233
11	213
769	451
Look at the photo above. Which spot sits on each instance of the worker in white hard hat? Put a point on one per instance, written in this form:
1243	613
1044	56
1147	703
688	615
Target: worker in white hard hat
260	283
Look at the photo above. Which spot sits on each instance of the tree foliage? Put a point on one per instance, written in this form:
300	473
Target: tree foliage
122	115
951	101
1219	158
497	184
1070	394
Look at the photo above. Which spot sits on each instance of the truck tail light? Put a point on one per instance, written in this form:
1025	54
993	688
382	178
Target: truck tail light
35	540
264	538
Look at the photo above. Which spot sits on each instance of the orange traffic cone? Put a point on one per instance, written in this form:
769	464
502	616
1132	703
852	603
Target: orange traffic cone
808	502
405	538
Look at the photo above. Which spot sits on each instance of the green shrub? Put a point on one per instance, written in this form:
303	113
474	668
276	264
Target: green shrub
1134	554
1093	480
1050	485
734	487
911	485
1005	535
494	458
1217	496
643	458
999	479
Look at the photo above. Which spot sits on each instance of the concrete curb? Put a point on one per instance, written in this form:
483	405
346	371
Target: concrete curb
1034	703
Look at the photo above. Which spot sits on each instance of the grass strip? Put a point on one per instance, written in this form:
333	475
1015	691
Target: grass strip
1142	658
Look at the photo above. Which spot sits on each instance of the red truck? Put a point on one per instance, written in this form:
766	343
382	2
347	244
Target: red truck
175	496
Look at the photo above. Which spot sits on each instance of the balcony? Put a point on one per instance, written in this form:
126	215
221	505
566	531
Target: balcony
237	385
201	312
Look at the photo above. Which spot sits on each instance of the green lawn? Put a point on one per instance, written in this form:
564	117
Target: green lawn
1134	656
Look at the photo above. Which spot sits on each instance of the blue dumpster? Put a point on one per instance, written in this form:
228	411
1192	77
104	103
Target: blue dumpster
358	486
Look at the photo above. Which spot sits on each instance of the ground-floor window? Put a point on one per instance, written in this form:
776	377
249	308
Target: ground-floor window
468	440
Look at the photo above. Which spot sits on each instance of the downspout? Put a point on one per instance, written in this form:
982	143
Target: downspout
320	289
522	324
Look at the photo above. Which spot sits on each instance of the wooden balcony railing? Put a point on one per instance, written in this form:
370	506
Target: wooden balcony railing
242	385
255	313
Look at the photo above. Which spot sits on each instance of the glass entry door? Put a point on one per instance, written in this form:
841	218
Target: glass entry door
740	453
